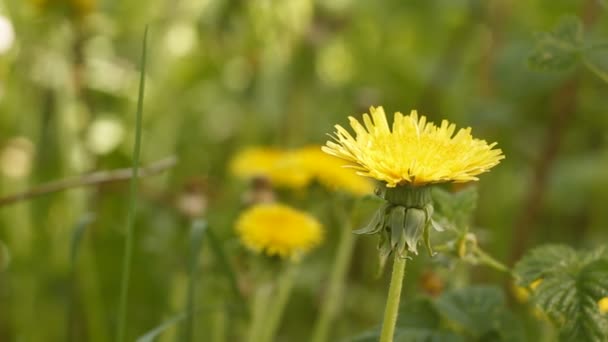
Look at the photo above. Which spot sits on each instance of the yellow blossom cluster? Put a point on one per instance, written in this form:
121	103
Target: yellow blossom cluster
298	168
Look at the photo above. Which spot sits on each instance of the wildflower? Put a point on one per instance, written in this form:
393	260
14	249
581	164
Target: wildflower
278	230
603	305
278	166
407	158
331	173
414	152
520	293
298	168
535	284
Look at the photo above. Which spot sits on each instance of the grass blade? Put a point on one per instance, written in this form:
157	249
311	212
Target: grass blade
77	235
197	234
126	267
152	334
225	266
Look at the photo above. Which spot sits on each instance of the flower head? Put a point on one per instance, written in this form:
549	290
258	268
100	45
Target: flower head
298	168
331	173
280	167
278	230
603	305
414	151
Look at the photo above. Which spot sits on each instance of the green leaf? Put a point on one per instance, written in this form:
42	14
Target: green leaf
455	209
560	48
77	235
225	266
572	284
477	310
424	335
544	261
418	321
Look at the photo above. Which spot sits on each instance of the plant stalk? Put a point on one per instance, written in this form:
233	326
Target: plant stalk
392	302
259	309
273	321
335	289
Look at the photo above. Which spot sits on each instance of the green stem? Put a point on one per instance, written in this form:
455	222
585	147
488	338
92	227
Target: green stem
336	284
276	311
595	69
259	308
488	260
392	302
219	326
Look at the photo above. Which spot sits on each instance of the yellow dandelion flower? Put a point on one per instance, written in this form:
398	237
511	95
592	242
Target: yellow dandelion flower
331	173
603	305
414	152
279	166
535	284
276	229
520	293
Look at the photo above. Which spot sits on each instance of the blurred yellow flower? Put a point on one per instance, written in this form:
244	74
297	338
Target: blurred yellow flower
535	284
603	305
414	152
331	173
279	166
278	230
520	293
298	168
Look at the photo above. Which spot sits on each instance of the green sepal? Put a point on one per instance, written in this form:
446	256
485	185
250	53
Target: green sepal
427	239
376	224
438	227
396	224
415	220
384	251
401	253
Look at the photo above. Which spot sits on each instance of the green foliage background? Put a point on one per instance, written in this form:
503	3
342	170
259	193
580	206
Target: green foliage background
223	75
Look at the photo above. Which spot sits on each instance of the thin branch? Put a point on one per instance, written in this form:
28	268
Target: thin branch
595	69
95	178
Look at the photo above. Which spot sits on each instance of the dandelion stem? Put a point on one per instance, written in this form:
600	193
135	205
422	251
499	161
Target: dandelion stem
259	308
336	284
276	311
392	302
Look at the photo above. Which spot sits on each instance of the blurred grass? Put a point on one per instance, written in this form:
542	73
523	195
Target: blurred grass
224	75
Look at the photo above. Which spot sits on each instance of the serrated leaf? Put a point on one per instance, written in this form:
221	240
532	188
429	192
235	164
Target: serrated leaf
560	48
572	284
477	310
543	262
